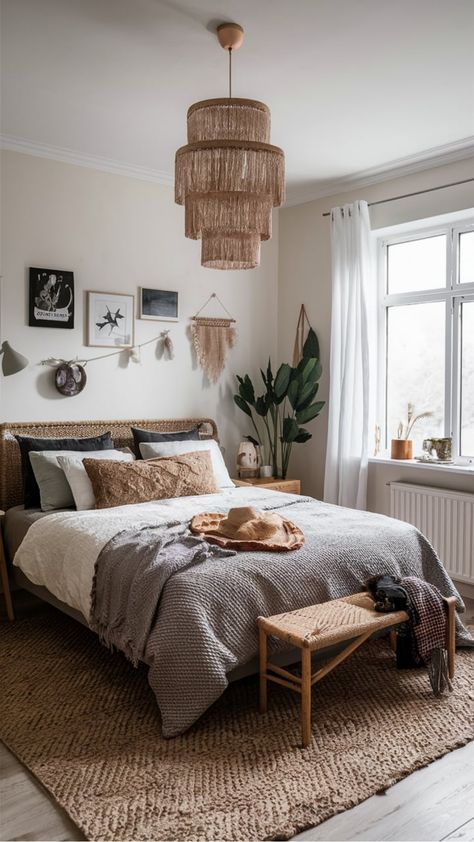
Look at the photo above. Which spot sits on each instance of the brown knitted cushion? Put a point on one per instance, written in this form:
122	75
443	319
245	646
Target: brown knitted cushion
156	479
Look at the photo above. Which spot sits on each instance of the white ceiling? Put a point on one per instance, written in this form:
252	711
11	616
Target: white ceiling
352	84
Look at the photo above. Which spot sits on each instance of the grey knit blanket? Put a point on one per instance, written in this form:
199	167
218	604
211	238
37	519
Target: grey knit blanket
189	609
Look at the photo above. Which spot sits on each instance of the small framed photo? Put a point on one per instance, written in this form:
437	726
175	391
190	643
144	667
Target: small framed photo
110	320
158	304
51	298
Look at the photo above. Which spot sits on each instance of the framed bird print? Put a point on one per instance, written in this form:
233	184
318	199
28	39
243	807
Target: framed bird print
110	320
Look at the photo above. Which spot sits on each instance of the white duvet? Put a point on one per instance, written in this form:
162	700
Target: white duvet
59	552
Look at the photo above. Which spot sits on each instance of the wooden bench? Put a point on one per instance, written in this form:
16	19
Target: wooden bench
317	627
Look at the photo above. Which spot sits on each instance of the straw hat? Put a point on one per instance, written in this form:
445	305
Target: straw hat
245	528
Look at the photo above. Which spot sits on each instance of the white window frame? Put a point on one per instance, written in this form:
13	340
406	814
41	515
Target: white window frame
453	294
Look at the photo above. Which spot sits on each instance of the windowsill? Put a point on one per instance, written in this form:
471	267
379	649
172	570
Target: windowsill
423	466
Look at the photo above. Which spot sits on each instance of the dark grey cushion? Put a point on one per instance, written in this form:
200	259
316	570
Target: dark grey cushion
140	436
28	443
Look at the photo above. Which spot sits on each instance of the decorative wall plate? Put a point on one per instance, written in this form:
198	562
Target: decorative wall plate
70	379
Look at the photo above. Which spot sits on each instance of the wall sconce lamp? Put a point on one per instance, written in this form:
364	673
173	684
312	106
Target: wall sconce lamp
12	361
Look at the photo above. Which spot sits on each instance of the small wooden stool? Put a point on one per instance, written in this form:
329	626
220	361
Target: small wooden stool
316	627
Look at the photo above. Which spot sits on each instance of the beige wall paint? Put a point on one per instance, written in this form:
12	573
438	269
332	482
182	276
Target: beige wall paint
116	234
305	276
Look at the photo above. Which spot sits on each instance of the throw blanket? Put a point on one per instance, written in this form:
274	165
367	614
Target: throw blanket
201	610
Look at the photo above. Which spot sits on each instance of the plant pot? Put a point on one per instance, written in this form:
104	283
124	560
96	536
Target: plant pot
402	449
266	471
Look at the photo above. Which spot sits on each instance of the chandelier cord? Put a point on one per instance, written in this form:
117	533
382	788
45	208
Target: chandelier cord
230	72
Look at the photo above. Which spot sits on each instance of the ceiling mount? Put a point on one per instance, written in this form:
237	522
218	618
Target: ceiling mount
230	35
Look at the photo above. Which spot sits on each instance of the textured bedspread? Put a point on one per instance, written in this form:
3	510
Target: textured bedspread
200	607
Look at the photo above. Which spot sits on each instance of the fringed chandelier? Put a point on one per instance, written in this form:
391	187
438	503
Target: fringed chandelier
229	176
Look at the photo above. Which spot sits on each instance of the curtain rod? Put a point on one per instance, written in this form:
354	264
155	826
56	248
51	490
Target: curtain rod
417	193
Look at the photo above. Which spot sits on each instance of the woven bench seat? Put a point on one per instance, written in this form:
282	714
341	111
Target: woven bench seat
317	627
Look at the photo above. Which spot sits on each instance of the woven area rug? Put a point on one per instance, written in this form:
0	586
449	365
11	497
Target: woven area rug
86	724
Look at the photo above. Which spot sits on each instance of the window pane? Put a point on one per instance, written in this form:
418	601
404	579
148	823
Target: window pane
466	258
418	264
467	379
415	369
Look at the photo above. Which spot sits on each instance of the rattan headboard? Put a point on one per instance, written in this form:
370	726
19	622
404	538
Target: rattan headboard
11	487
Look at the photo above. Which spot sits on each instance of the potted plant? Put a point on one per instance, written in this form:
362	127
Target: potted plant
402	446
286	403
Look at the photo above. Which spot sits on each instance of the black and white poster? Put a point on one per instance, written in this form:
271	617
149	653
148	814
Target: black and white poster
51	302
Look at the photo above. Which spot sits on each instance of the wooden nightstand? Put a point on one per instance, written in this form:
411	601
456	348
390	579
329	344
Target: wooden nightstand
290	486
4	575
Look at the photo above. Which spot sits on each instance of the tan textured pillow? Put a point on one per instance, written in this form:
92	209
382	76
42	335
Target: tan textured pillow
121	483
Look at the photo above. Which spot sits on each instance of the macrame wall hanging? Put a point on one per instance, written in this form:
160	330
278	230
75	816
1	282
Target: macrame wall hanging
212	339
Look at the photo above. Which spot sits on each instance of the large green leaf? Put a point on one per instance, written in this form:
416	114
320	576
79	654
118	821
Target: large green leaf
316	372
242	405
282	380
310	412
303	435
246	389
311	345
261	405
307	369
290	429
306	395
293	391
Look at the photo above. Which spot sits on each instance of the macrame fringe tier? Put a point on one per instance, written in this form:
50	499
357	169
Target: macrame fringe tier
230	251
245	213
237	119
225	166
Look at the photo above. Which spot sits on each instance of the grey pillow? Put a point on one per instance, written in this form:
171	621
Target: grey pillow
55	491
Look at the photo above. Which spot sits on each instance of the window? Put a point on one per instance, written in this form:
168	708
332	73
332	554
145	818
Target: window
426	334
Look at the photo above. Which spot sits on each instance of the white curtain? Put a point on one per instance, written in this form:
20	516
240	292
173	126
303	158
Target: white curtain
352	376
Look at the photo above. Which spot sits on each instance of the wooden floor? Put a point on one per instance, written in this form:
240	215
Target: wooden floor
435	803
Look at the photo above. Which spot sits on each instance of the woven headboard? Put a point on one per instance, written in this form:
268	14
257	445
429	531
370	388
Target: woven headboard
11	487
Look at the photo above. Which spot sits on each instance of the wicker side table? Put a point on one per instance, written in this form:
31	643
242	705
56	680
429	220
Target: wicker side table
4	574
290	486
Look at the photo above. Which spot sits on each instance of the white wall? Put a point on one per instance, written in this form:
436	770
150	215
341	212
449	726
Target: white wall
305	276
115	234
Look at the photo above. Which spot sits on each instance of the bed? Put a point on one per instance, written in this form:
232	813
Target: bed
194	624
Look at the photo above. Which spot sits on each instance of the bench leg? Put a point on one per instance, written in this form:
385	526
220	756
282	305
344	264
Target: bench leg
451	633
262	655
306	697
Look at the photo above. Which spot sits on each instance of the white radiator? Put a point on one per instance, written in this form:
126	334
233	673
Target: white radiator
447	520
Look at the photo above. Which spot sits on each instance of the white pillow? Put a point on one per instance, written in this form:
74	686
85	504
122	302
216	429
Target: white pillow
152	450
76	474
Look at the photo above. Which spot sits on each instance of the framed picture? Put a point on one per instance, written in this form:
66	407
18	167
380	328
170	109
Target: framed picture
110	320
51	298
158	304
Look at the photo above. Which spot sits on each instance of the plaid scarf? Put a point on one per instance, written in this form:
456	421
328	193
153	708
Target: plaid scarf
430	632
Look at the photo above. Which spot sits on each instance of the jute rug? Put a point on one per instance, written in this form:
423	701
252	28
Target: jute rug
86	724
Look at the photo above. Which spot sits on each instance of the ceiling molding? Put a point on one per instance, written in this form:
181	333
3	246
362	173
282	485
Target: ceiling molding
430	158
438	156
94	162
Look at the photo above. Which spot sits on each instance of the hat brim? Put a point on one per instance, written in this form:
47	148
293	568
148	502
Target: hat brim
289	537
